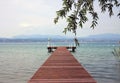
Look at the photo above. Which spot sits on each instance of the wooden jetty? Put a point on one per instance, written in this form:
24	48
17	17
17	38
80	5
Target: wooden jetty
61	67
51	48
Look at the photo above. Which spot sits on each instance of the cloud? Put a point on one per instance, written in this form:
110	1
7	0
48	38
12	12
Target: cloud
36	16
25	25
20	16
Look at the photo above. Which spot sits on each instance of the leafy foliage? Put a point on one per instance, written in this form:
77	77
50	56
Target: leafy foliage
76	12
116	53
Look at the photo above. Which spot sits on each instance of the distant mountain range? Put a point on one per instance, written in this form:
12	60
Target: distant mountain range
37	38
105	36
101	37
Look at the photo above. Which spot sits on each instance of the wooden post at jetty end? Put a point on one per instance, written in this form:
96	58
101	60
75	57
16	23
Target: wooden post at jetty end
50	48
61	67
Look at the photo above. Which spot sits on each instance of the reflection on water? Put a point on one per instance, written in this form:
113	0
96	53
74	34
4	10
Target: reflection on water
18	62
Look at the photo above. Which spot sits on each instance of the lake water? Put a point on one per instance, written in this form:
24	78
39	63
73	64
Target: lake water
19	61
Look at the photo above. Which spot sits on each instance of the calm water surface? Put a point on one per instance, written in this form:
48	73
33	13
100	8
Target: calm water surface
19	61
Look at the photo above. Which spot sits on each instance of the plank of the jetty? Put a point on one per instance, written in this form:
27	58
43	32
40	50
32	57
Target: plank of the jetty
61	67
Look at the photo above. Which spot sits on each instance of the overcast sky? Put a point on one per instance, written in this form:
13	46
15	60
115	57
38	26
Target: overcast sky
26	17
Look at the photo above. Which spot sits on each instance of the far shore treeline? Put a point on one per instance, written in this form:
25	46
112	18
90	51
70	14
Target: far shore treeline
57	38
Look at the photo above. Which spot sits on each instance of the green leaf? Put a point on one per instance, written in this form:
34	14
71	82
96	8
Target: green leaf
76	12
118	15
56	20
80	24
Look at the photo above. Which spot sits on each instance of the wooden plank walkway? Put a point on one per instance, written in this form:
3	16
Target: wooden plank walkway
61	67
